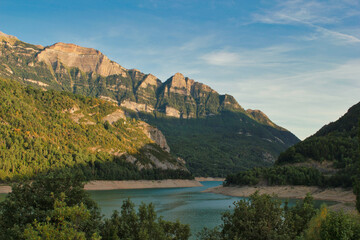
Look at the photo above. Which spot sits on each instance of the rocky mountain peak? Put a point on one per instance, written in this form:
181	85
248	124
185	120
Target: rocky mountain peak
177	81
75	49
86	59
179	84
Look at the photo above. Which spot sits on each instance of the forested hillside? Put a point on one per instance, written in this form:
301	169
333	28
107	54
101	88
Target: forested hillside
331	157
221	144
51	130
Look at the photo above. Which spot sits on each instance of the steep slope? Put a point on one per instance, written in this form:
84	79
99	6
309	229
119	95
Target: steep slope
223	143
88	72
50	130
330	157
336	142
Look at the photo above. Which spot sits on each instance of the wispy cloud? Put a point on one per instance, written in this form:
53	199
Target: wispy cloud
306	99
263	57
313	14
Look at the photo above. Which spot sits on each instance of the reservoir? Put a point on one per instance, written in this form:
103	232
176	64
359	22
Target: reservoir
188	205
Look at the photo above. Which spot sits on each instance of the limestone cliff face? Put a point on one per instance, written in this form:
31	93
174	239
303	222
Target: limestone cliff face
150	80
179	84
86	59
261	117
138	107
156	135
182	97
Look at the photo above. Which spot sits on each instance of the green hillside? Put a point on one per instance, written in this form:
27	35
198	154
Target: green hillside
223	143
51	130
330	157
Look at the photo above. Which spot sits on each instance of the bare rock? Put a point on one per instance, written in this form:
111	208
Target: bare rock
150	80
172	112
139	107
115	116
156	135
86	59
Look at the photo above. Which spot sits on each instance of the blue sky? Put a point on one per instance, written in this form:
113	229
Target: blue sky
298	61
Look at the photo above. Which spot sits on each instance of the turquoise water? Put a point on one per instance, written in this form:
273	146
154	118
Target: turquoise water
189	205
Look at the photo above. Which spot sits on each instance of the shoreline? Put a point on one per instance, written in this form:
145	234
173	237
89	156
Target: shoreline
207	179
99	185
345	198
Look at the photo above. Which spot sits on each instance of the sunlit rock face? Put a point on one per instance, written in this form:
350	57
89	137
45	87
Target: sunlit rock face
86	59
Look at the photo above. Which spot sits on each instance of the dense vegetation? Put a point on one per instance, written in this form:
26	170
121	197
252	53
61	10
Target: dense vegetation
50	130
289	175
221	144
264	218
56	207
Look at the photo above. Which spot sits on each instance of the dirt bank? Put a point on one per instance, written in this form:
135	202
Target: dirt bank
345	197
204	179
169	183
109	185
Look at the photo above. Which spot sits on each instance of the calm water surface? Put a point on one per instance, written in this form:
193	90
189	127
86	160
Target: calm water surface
189	205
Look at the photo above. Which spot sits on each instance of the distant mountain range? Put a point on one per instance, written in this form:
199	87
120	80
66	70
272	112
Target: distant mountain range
212	132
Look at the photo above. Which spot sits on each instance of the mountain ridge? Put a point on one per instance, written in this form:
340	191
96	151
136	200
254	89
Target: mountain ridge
61	56
189	113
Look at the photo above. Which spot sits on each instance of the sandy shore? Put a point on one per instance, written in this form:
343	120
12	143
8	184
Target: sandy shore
204	179
345	197
169	183
138	184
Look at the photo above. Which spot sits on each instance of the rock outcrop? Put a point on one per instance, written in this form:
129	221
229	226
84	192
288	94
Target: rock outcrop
156	135
115	116
86	59
138	107
261	117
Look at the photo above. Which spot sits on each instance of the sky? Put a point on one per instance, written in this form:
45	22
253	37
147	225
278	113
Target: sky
298	61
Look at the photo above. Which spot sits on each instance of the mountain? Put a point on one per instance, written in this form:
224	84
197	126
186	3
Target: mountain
51	130
329	158
336	142
229	138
